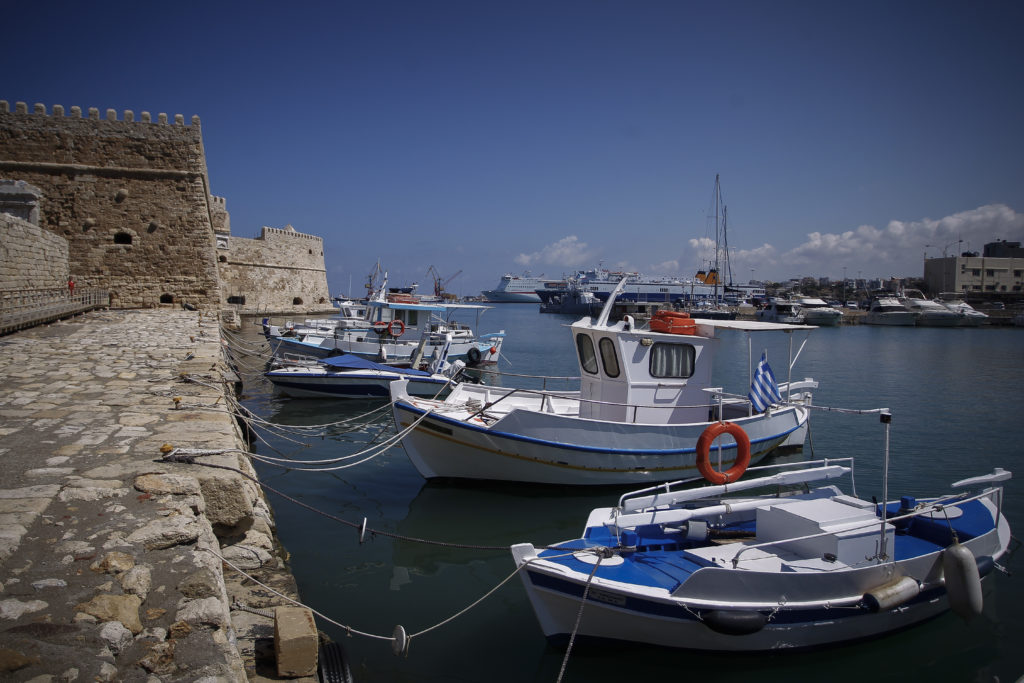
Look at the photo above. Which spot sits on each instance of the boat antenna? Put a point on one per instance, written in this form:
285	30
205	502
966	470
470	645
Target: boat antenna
606	312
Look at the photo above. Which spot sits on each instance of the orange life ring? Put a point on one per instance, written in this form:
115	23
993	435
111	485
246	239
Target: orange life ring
709	434
663	313
380	327
399	324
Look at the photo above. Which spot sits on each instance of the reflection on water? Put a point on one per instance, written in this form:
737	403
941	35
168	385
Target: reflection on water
955	400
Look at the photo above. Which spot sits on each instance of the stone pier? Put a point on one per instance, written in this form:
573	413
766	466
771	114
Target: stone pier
110	557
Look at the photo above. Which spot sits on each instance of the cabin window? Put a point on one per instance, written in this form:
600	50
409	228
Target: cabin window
672	360
608	357
585	349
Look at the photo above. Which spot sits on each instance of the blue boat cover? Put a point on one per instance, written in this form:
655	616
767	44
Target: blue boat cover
349	361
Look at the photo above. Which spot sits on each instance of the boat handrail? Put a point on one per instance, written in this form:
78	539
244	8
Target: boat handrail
546	394
666	487
516	374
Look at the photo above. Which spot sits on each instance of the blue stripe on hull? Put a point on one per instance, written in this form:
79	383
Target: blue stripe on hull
575	447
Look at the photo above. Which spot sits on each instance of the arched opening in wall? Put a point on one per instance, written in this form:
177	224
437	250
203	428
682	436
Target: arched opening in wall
310	252
297	301
240	300
167	298
223	259
122	238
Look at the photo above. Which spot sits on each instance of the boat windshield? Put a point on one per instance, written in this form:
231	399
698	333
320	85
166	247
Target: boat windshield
585	349
608	357
672	360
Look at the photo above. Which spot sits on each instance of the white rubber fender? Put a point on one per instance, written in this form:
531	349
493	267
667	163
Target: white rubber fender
963	584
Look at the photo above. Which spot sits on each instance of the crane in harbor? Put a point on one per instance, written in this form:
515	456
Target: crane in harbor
441	282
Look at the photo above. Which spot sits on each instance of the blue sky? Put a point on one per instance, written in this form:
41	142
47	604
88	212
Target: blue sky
491	137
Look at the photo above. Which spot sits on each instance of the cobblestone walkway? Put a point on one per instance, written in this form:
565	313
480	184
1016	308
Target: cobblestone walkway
105	564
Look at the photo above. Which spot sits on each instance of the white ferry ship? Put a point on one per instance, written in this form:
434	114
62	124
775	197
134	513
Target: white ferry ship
518	288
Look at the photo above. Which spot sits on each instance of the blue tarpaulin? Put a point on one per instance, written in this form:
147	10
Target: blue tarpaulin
351	362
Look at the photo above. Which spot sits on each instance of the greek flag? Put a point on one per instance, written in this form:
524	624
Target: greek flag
764	390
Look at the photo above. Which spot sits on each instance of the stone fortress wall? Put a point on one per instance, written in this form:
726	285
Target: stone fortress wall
281	270
130	197
31	257
132	200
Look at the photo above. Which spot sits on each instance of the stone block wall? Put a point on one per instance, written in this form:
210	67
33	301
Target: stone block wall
130	197
281	270
30	257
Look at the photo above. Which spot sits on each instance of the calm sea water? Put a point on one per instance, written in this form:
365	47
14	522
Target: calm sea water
955	395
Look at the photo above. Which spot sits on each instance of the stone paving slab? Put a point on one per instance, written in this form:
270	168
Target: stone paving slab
109	566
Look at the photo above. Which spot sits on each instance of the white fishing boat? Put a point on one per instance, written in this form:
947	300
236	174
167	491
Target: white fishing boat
645	398
818	313
929	313
351	315
782	311
722	568
424	327
887	310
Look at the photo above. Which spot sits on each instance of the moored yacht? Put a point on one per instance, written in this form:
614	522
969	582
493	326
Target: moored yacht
887	310
782	311
817	312
928	313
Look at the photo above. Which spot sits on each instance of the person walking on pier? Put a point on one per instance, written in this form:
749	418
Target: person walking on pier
71	286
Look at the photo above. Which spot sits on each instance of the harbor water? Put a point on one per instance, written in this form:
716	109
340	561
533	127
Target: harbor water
955	397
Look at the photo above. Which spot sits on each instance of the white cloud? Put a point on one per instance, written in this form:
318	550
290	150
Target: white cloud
670	267
900	247
568	252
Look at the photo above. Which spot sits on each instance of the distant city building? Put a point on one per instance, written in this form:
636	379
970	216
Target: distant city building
998	271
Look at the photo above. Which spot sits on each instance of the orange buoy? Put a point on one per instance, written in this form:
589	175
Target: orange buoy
710	433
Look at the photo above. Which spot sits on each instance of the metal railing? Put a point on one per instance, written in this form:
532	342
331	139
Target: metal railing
26	308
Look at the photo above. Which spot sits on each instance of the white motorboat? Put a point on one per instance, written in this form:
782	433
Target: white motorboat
715	568
887	310
350	376
782	311
645	398
969	315
818	313
929	313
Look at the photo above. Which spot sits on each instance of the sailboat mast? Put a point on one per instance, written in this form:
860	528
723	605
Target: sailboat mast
718	199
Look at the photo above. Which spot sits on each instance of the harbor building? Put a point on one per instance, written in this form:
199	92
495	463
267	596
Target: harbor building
996	274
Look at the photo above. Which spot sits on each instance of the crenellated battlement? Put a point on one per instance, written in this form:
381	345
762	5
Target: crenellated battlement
128	116
287	232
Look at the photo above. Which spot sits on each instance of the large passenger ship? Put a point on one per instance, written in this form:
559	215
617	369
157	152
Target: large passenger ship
518	288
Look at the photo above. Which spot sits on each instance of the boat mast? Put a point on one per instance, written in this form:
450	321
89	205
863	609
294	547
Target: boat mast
718	199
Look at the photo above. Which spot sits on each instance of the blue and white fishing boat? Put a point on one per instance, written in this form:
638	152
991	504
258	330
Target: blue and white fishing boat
721	568
645	398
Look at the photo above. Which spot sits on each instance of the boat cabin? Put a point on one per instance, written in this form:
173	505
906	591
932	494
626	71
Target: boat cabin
629	374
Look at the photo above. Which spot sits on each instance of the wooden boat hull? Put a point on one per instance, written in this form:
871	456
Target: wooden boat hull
534	447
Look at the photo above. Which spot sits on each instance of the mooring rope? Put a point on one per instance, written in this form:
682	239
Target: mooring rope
601	554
